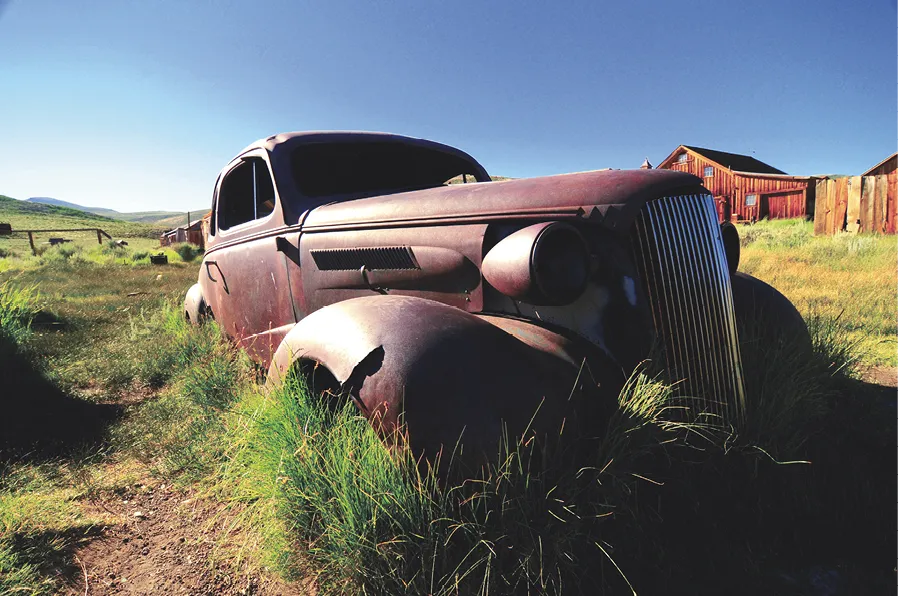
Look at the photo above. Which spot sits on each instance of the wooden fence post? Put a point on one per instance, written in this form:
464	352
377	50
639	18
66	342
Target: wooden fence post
855	208
868	214
31	242
881	207
821	205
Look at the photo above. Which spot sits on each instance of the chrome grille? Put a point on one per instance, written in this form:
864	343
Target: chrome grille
680	258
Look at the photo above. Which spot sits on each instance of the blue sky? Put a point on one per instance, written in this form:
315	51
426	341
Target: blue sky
137	105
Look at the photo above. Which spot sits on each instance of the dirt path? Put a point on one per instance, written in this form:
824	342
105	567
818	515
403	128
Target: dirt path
886	376
163	546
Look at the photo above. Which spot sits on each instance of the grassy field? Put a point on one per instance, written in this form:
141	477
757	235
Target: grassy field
33	216
117	392
852	279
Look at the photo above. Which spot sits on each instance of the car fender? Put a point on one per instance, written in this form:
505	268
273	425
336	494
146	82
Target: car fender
766	316
435	371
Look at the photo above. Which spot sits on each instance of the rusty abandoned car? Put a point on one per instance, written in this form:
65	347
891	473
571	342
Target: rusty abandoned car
456	308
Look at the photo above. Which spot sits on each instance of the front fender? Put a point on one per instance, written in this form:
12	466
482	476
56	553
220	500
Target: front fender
440	371
765	316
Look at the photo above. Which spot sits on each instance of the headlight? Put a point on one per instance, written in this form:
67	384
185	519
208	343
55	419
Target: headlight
730	236
542	264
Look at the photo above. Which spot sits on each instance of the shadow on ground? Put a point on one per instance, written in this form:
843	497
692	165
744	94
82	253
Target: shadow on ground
51	552
38	420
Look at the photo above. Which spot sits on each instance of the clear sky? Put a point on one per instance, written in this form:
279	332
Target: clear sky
136	105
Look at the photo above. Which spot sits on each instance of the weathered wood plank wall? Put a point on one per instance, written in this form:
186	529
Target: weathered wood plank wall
856	204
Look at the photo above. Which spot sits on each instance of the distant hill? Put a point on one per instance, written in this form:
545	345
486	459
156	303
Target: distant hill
28	215
167	219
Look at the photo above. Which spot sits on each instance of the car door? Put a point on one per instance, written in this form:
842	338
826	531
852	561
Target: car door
246	275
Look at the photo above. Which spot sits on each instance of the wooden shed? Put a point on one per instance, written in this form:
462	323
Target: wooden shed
888	223
744	188
192	234
886	167
865	203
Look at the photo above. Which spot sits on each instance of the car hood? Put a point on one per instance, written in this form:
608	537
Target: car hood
610	197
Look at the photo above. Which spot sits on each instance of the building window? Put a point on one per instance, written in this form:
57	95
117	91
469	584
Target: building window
751	200
682	158
709	171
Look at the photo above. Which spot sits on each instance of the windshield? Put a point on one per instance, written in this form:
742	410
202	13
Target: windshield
330	169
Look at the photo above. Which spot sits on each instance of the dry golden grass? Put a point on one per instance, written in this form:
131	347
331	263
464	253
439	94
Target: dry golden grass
850	276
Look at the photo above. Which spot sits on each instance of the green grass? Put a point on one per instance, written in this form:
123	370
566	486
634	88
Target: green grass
24	215
15	250
584	515
369	520
92	339
847	277
18	307
314	492
41	523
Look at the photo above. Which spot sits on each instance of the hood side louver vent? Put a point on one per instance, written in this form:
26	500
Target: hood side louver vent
347	259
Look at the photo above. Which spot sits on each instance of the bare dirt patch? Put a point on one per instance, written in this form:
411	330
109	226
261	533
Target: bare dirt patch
163	544
886	376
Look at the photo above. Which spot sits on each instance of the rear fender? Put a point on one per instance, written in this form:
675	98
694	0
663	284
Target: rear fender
195	307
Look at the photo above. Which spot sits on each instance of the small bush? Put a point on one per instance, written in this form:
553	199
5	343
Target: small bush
112	248
62	254
187	252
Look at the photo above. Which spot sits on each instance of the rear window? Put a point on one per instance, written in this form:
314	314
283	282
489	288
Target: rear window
326	169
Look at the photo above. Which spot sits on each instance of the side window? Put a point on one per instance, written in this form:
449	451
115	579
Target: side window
247	193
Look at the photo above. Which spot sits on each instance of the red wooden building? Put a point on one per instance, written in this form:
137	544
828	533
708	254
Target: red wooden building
744	188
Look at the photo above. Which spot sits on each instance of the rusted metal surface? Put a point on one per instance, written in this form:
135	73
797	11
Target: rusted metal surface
444	305
441	371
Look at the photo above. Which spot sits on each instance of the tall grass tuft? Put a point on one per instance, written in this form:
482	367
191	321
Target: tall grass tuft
18	307
200	374
791	385
363	518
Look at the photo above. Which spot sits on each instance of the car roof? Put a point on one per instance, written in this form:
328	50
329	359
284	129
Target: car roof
274	142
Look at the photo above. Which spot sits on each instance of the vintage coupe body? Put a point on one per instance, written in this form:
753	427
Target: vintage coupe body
452	309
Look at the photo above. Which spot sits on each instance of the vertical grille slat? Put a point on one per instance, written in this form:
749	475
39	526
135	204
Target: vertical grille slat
708	380
679	254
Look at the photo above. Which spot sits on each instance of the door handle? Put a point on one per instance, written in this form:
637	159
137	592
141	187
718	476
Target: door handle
224	282
282	244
